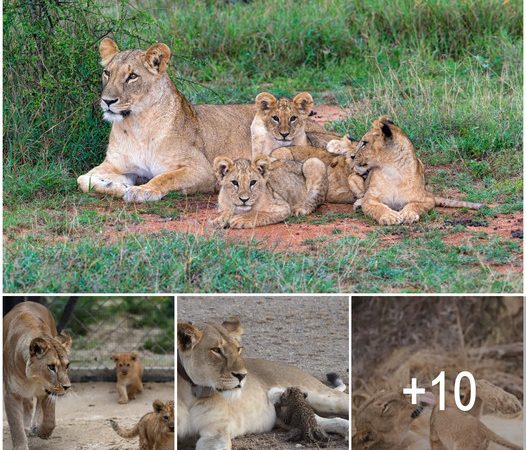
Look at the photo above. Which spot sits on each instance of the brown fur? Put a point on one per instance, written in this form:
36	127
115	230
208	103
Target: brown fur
299	417
155	429
35	366
157	134
395	188
129	375
261	192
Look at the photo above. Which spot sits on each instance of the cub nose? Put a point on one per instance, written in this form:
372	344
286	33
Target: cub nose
243	199
110	101
239	376
284	134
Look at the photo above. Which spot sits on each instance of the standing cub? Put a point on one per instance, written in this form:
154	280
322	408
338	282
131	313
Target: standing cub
155	429
129	375
260	192
281	123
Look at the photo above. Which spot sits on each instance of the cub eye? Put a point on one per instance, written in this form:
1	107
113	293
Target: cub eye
216	350
52	367
106	73
67	366
275	119
293	119
253	182
131	76
364	143
235	183
166	417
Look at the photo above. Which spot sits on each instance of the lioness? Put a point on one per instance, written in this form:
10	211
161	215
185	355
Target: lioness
155	429
221	394
157	134
35	365
283	122
262	192
129	375
395	188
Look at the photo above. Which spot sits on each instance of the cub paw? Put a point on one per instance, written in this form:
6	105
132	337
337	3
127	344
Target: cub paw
219	222
357	204
123	401
241	222
140	194
301	211
390	218
409	216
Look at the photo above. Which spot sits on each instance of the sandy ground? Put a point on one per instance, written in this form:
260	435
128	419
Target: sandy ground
309	332
82	418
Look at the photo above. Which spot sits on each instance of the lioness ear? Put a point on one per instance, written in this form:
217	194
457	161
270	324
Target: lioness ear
261	163
222	165
305	395
65	340
107	50
234	327
187	336
157	57
304	102
158	406
38	347
265	101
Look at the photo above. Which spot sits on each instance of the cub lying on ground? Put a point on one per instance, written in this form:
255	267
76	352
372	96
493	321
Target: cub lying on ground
129	375
261	192
155	429
395	187
282	123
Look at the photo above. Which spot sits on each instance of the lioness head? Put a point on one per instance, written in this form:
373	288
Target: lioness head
383	421
211	354
125	362
165	414
380	145
242	181
48	363
284	119
131	78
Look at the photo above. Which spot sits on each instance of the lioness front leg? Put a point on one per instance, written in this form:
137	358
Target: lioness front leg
106	179
218	441
196	176
15	418
411	212
46	427
384	215
260	218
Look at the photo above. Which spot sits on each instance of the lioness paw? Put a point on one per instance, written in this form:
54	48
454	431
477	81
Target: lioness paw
140	194
390	218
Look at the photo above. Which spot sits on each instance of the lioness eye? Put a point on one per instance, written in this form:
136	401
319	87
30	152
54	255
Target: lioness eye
131	76
293	119
365	142
52	367
275	119
235	183
67	366
216	350
239	350
252	183
106	73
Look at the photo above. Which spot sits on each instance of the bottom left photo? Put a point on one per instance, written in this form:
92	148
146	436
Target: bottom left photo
88	372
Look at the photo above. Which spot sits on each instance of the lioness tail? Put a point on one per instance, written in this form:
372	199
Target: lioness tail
449	203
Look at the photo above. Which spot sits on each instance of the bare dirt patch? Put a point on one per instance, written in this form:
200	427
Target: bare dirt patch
82	418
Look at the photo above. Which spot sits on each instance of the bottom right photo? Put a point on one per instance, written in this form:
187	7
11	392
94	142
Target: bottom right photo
438	373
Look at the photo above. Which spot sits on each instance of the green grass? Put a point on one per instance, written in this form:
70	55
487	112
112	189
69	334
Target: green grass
448	72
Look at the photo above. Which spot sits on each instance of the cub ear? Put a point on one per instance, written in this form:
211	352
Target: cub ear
261	163
234	327
65	340
265	101
115	357
368	438
156	58
305	395
107	50
384	125
134	356
304	102
187	336
158	406
38	347
222	165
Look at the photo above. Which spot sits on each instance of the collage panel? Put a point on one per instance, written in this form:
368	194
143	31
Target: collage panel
262	372
88	373
437	373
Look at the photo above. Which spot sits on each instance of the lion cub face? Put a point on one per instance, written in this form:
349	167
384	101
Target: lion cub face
284	120
242	181
127	364
129	78
165	415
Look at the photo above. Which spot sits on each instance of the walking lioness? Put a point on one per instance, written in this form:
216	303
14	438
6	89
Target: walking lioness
221	395
157	134
35	366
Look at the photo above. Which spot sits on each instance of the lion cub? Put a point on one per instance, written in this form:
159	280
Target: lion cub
129	375
262	192
155	429
281	123
296	413
395	187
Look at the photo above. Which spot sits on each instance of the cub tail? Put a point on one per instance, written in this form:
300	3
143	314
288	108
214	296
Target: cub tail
126	434
336	381
449	203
